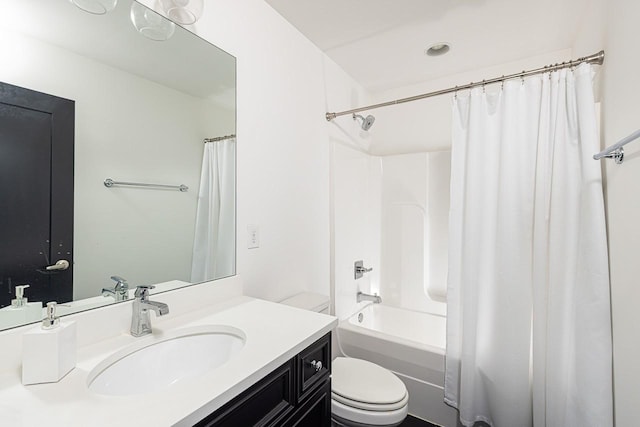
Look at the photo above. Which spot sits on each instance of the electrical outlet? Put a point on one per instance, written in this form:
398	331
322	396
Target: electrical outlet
253	236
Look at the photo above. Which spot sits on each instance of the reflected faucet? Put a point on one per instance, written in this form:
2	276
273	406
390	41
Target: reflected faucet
361	296
140	319
120	292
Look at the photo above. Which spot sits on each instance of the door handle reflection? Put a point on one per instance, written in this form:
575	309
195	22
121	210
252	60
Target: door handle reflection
62	264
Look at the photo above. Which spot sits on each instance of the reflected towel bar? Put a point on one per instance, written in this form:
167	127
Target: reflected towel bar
219	138
110	183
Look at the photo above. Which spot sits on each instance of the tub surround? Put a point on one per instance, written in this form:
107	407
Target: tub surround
274	334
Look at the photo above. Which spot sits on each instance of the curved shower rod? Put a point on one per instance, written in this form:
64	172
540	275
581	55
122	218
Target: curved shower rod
596	58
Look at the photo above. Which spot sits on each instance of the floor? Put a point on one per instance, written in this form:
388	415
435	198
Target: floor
415	422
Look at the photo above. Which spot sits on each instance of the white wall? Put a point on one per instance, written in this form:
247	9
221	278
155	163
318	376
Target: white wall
283	145
125	129
612	25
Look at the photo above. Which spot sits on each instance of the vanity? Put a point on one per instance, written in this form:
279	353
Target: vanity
296	393
280	376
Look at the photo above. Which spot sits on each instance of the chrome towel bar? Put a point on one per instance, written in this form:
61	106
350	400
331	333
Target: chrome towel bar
616	151
110	183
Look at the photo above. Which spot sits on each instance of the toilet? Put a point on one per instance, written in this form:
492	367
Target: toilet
362	393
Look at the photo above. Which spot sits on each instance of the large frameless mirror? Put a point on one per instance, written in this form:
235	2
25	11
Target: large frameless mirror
117	155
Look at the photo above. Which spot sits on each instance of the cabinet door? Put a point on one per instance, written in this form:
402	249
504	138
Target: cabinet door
315	412
272	398
314	366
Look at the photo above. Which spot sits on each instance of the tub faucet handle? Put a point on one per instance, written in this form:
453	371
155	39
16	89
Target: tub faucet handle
359	269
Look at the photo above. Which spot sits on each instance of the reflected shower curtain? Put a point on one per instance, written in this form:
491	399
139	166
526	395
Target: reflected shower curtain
528	322
214	240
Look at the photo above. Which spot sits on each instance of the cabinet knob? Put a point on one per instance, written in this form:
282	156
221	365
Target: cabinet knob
317	364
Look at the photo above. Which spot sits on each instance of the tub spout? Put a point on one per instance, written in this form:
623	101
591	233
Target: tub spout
361	296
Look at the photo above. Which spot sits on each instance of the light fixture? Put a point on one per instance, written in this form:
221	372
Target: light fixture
97	7
183	12
438	49
151	24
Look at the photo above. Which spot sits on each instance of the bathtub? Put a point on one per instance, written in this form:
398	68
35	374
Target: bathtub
409	343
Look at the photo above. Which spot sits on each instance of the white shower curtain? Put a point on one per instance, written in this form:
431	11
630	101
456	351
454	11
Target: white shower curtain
214	241
528	322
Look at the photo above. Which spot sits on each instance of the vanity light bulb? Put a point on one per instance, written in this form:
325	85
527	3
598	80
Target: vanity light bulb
150	24
96	7
184	12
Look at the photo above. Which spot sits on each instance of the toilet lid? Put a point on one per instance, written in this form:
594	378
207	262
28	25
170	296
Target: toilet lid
361	381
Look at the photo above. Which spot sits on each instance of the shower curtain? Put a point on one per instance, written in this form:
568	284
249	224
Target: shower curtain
528	322
214	240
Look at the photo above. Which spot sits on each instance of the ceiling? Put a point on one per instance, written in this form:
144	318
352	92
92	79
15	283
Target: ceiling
381	43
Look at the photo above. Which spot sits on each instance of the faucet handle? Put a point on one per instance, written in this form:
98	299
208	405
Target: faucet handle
142	291
359	269
121	283
119	279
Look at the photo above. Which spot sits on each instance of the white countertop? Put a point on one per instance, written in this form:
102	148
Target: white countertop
274	334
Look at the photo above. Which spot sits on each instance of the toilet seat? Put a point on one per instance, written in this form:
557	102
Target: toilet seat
371	406
367	394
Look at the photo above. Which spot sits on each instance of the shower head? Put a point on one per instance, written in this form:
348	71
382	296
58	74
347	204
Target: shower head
367	122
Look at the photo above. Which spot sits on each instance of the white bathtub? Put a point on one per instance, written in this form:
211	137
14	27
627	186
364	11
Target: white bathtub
409	343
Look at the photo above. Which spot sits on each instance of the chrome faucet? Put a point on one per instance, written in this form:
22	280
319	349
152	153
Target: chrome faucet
140	320
120	292
361	296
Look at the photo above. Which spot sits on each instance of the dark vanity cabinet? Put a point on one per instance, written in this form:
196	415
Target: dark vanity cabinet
298	393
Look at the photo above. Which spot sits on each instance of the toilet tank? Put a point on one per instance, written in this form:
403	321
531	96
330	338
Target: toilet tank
309	301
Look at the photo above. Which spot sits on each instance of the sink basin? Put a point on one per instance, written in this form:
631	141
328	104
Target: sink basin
157	362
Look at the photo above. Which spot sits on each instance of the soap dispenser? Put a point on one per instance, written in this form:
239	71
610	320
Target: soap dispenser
32	310
49	350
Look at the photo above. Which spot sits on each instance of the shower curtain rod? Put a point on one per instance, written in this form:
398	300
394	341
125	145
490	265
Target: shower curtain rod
219	138
597	58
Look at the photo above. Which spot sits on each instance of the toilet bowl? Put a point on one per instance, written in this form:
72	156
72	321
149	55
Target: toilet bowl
362	393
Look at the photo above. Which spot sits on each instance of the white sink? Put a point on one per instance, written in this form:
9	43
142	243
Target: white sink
159	361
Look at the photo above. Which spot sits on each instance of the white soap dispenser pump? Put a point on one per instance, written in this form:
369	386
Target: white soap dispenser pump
21	310
20	300
49	350
51	321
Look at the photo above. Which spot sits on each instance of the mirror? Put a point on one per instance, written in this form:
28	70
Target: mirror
140	110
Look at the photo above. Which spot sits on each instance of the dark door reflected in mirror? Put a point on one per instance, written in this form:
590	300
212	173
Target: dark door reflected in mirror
135	110
36	184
